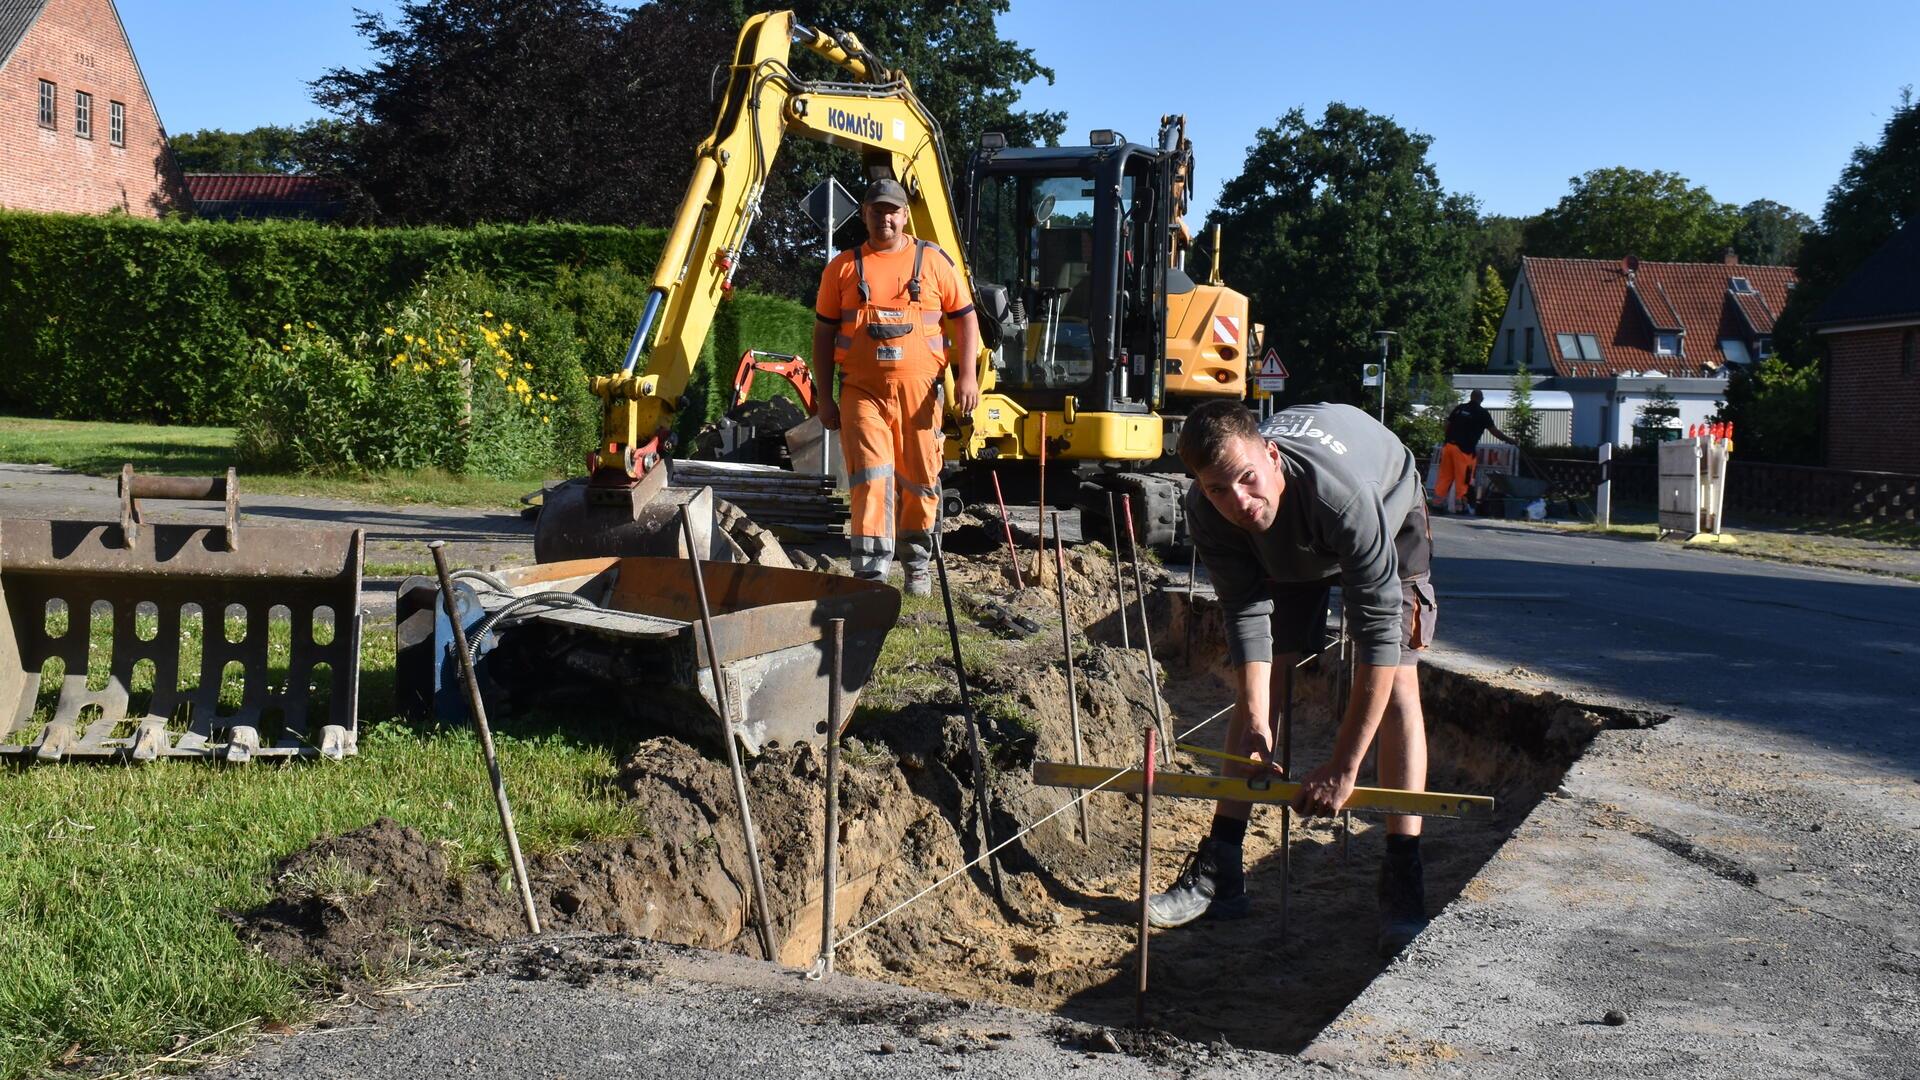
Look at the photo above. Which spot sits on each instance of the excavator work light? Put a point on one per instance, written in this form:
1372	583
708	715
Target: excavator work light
1103	137
993	140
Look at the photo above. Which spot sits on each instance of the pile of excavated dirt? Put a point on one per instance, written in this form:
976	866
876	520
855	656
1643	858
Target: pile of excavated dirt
1059	937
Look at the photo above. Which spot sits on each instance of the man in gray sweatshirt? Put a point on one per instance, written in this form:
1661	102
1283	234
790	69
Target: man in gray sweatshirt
1317	496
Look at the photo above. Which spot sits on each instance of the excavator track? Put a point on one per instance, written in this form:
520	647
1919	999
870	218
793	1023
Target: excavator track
1157	517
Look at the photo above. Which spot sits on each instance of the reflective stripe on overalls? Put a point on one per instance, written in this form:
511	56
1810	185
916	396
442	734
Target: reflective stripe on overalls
891	358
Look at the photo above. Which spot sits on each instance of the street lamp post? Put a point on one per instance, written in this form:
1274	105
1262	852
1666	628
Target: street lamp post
1383	335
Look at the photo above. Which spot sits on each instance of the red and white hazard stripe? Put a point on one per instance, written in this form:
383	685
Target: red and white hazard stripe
1226	329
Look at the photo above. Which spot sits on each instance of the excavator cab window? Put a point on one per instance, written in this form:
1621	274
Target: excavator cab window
1035	235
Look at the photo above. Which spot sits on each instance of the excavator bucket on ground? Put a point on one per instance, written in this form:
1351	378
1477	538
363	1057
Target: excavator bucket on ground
619	639
177	640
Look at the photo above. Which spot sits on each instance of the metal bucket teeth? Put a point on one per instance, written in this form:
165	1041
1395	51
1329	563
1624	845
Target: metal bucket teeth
159	619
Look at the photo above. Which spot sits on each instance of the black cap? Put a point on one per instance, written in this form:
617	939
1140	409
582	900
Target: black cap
886	191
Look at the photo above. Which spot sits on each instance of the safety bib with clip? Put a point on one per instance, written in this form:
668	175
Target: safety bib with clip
891	341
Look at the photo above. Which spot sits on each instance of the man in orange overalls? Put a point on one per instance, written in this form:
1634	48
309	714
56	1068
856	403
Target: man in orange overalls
881	308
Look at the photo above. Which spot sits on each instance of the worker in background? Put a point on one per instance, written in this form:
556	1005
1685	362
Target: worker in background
1318	495
882	311
1465	424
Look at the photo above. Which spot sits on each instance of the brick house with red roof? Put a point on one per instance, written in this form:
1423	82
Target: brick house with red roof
1610	333
1871	327
78	129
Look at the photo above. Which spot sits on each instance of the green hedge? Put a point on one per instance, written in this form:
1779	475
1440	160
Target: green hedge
118	318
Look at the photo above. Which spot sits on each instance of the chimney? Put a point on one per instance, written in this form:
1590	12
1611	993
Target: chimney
1730	257
1632	263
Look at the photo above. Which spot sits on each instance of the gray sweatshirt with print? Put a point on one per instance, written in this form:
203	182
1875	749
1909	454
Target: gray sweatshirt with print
1350	484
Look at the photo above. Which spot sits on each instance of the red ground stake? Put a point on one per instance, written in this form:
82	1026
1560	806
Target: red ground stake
1006	522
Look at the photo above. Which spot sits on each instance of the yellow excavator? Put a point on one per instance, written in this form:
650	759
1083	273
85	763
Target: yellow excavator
1091	327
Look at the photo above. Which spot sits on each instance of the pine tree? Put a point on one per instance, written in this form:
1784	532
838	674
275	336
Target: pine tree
1489	307
1523	424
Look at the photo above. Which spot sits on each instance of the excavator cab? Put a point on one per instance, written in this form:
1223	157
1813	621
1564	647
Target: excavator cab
1074	239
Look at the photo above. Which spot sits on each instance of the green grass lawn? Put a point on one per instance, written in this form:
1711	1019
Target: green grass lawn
114	878
100	448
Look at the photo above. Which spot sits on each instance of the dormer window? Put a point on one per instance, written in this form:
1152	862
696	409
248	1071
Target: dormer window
1735	351
1666	344
1740	285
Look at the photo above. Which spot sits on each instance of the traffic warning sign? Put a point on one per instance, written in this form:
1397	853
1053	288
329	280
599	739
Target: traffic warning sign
1272	375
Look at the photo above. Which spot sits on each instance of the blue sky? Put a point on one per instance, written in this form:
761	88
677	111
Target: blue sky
1753	100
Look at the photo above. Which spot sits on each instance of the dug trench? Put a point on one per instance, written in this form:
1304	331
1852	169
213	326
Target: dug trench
1060	935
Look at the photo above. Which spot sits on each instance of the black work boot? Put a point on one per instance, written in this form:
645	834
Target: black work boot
1211	883
1403	898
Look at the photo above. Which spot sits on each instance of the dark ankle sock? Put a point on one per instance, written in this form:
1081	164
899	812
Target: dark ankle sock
1228	830
1400	847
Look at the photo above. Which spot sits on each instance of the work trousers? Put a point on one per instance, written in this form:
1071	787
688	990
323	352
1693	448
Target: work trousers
890	433
1456	471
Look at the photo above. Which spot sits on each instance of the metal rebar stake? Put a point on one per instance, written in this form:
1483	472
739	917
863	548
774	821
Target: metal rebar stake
1119	578
1066	646
471	683
726	736
830	876
1040	511
1286	812
981	809
1146	875
1146	634
1346	696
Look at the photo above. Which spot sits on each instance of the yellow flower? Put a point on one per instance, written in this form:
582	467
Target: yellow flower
388	331
523	335
400	358
502	372
396	361
486	314
310	326
286	348
286	326
507	326
546	419
520	386
529	367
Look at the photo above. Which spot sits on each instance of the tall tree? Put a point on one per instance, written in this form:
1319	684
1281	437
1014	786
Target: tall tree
1500	241
1770	233
1774	407
1339	227
269	149
574	110
1616	212
1877	193
1489	307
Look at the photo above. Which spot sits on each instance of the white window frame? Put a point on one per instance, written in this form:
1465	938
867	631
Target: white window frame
1740	285
117	123
1660	345
49	104
82	114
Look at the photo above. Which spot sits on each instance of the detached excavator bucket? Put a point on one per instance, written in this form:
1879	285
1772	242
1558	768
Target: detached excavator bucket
177	640
619	638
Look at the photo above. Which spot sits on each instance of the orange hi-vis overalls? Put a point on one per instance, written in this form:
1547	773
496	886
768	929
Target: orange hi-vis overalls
891	349
1456	473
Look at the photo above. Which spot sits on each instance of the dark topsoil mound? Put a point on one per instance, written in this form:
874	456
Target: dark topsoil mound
1058	936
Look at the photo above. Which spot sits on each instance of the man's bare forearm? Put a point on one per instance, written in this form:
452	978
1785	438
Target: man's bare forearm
1372	687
